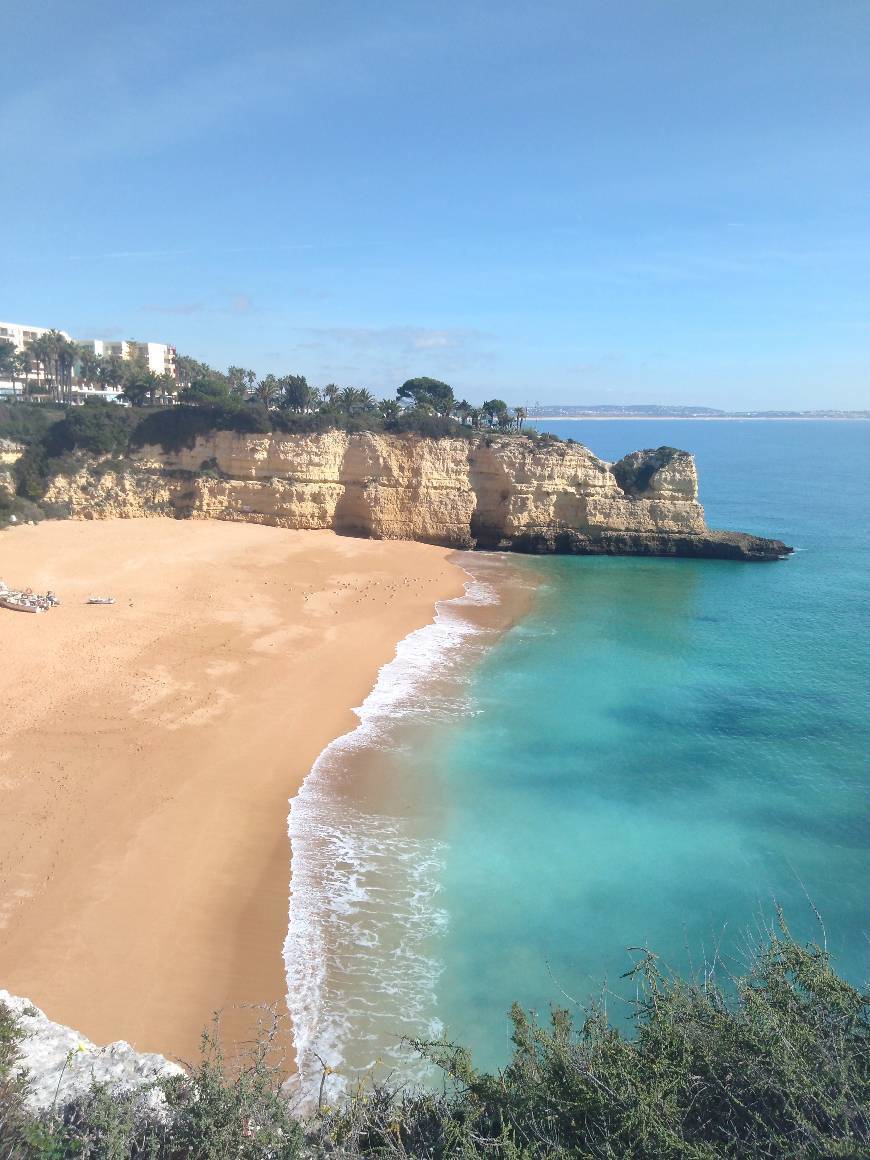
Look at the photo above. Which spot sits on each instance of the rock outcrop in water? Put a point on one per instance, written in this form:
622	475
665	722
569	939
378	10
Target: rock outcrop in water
508	492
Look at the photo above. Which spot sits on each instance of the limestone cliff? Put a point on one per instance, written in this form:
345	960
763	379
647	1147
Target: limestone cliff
10	453
517	493
61	1064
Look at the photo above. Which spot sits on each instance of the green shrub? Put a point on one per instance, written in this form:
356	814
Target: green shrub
22	509
312	423
175	428
27	422
777	1064
774	1064
429	426
100	428
13	1084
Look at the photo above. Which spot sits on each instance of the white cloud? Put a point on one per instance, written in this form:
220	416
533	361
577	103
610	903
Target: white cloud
405	339
381	357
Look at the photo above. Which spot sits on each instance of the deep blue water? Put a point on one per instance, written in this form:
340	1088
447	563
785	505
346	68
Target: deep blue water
664	747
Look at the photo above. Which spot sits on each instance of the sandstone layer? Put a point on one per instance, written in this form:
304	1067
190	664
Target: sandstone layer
513	493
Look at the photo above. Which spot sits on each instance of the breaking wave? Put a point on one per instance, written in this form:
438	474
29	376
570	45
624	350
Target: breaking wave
362	948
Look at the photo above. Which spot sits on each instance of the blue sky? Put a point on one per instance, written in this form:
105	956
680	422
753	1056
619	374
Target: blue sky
558	200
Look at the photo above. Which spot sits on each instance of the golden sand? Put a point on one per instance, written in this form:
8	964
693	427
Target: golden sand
148	751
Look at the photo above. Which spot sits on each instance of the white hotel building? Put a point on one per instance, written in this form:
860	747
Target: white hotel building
23	336
157	356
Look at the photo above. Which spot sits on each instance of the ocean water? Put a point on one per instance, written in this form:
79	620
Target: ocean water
653	756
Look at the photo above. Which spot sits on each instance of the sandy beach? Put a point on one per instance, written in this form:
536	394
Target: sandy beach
148	750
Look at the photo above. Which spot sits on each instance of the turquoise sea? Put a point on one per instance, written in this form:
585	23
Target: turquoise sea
654	755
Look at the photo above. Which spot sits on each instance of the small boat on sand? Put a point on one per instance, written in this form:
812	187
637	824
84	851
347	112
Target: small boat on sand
21	602
26	600
100	600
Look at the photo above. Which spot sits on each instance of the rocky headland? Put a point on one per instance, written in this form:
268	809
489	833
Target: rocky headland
516	493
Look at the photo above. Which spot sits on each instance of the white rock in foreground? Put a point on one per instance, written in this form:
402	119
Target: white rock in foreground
62	1064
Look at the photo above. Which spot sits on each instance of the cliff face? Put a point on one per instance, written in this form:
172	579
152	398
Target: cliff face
10	452
505	492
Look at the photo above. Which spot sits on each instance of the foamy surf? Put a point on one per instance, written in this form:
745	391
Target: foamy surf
361	951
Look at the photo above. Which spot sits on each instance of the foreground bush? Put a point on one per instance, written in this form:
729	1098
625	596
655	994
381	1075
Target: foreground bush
775	1064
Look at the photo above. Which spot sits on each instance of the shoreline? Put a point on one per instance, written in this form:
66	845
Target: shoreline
362	947
148	751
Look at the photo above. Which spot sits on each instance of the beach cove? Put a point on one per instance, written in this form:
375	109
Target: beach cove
148	751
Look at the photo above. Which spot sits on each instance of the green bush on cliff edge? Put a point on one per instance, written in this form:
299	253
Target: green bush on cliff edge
773	1064
58	442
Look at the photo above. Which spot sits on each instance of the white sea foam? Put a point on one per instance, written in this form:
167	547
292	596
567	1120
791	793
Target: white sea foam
361	951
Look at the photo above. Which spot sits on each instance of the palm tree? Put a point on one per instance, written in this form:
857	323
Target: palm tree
520	414
67	353
57	355
21	367
7	361
167	385
136	355
48	344
111	371
496	412
389	410
295	392
463	410
41	353
88	367
356	401
239	381
330	394
268	390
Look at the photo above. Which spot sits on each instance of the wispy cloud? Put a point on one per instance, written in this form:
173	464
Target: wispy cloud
173	307
127	255
384	356
205	252
238	303
405	339
117	113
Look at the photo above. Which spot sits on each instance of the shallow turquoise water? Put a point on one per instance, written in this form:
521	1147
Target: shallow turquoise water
663	747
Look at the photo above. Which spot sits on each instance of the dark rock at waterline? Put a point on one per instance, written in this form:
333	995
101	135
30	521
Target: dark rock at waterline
710	545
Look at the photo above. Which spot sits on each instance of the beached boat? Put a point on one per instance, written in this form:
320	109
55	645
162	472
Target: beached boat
26	600
20	602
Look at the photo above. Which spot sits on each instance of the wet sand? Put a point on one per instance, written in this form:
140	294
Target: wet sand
148	751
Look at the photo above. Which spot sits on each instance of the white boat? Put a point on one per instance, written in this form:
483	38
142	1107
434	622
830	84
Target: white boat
100	600
19	602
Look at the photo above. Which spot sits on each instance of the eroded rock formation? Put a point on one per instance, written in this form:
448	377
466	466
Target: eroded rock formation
10	453
516	493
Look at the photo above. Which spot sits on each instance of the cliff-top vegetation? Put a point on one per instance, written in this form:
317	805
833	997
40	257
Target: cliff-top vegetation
773	1064
211	401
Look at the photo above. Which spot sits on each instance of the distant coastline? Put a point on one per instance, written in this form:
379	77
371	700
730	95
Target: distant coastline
598	416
